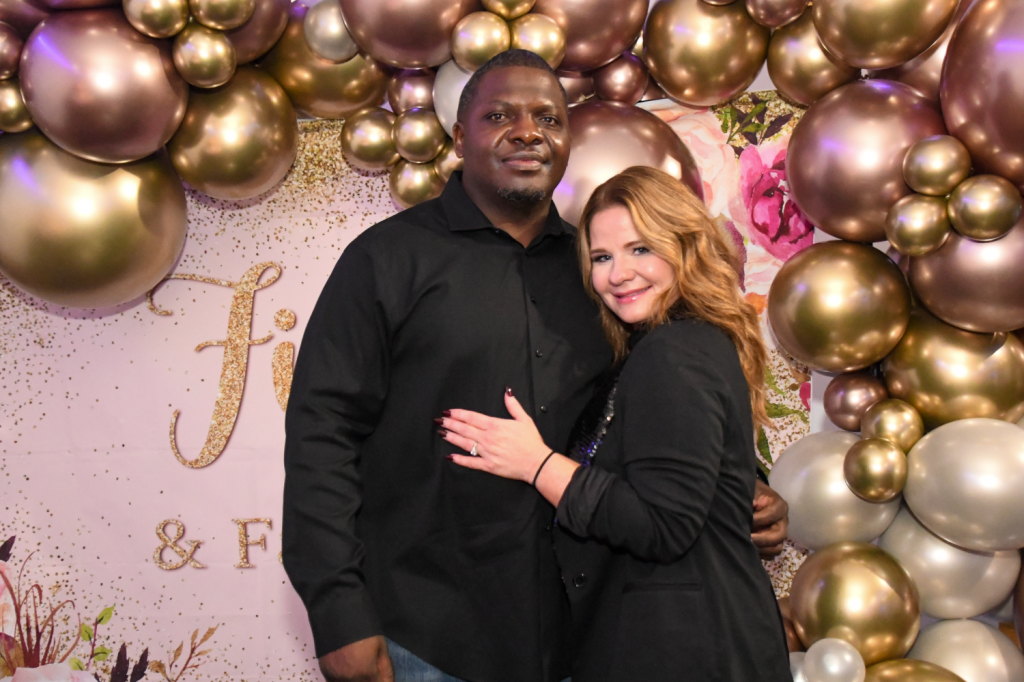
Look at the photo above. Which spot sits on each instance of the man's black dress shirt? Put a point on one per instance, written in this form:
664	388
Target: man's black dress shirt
430	310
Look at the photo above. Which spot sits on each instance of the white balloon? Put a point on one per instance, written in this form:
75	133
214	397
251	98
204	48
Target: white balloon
326	33
972	650
449	83
796	665
834	660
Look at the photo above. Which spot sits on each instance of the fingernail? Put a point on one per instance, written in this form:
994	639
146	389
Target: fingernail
442	432
450	458
439	421
447	413
508	390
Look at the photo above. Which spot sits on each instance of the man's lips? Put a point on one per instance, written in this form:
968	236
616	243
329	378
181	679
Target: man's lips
525	161
630	296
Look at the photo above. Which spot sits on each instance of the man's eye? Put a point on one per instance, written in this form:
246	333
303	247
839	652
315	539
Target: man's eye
550	120
496	116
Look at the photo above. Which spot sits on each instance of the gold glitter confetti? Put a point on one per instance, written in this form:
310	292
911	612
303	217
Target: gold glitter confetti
244	543
282	364
284	319
172	544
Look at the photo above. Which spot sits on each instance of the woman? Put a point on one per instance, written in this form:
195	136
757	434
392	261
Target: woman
653	501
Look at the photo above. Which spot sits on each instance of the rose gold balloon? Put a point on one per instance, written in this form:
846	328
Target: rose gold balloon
720	3
409	34
793	642
411	89
849	395
477	38
936	165
79	4
703	55
10	50
418	135
205	58
367	140
879	34
254	38
14	116
918	224
509	9
414	183
595	34
99	88
222	15
23	15
157	18
608	138
983	87
541	35
624	80
317	86
875	470
799	66
775	13
447	162
577	88
846	154
984	207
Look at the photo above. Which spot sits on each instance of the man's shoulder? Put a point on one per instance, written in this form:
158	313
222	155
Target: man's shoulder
402	229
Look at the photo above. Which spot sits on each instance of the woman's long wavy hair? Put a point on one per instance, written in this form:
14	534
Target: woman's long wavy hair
673	223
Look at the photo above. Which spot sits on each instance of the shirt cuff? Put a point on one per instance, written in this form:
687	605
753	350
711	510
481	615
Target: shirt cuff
341	618
581	497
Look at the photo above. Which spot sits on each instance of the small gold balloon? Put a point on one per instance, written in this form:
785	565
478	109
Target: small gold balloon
936	165
411	89
849	395
205	58
419	136
10	50
895	421
478	37
875	470
157	18
447	162
909	670
800	67
222	15
539	34
984	207
414	183
326	33
858	593
509	9
366	139
917	224
14	116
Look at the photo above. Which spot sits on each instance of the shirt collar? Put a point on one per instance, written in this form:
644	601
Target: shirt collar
463	215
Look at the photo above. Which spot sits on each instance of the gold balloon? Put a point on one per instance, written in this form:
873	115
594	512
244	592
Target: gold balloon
701	54
509	9
776	13
411	89
254	38
917	224
848	396
875	470
317	86
14	116
447	162
895	421
414	183
909	670
366	139
222	15
624	80
858	593
10	50
237	141
984	207
879	34
541	35
157	18
800	67
936	165
949	374
839	306
83	234
419	136
478	37
205	58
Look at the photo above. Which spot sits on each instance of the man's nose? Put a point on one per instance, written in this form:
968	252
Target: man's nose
525	130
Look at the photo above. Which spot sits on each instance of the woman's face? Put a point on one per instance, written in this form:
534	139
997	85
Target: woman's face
626	274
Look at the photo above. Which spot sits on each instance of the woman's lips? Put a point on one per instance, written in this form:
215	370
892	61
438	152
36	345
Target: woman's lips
630	296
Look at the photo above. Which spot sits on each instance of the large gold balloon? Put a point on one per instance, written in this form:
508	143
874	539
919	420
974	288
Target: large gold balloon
845	160
157	18
99	88
222	15
541	35
317	86
879	34
595	34
14	116
411	89
909	670
984	207
800	67
701	54
974	285
254	38
875	470
477	38
848	396
917	224
948	373
326	33
409	34
83	234
23	15
239	140
895	421
414	183
509	9
366	139
623	80
419	136
447	162
775	13
936	165
856	592
838	306
205	58
10	50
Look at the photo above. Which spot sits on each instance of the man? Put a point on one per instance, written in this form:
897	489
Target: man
445	305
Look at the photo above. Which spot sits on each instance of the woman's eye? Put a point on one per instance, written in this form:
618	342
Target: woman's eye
599	259
640	250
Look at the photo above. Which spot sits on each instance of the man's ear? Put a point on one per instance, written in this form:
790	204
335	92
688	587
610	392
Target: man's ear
457	135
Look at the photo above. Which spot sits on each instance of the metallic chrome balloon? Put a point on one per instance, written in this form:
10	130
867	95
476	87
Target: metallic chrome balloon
326	34
983	87
82	234
411	89
78	4
775	13
317	86
796	665
822	508
10	50
848	396
14	116
918	224
879	34
205	58
1018	607
608	138
447	162
222	15
952	582
838	306
595	34
157	18
974	285
845	160
875	470
509	9
237	141
800	67
703	55
964	484
833	660
974	651
653	92
418	135
623	80
577	88
908	670
478	37
893	420
254	38
409	34
367	141
414	183
793	642
540	34
936	165
451	79
858	593
720	2
23	15
99	88
984	207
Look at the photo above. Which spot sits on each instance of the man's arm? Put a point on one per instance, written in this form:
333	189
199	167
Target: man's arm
771	521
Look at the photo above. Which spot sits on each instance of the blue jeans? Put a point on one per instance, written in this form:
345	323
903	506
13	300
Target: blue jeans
409	668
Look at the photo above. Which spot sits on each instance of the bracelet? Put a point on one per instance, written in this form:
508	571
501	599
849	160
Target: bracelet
537	475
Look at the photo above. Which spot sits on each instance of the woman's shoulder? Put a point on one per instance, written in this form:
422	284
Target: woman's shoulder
686	335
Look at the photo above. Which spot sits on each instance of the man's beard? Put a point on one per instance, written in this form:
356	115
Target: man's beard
522	196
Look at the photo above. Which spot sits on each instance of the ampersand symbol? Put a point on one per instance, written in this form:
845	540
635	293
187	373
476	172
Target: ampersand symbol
172	544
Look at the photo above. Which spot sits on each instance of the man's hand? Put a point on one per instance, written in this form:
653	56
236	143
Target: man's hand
771	521
363	661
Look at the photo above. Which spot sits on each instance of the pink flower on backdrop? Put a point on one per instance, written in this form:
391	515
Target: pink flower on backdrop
7	624
719	171
55	672
805	395
775	221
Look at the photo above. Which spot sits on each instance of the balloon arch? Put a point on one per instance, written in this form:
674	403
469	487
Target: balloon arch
913	135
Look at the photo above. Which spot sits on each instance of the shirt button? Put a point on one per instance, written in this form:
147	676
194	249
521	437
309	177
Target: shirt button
539	354
533	299
547	527
498	232
580	580
543	409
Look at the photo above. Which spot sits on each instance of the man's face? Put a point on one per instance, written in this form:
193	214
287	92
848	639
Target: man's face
515	136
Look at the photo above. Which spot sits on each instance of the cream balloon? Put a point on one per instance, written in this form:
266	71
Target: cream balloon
800	67
205	58
974	651
14	116
796	665
449	83
326	34
833	660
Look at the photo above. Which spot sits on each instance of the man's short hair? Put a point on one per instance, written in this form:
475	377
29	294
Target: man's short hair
504	60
